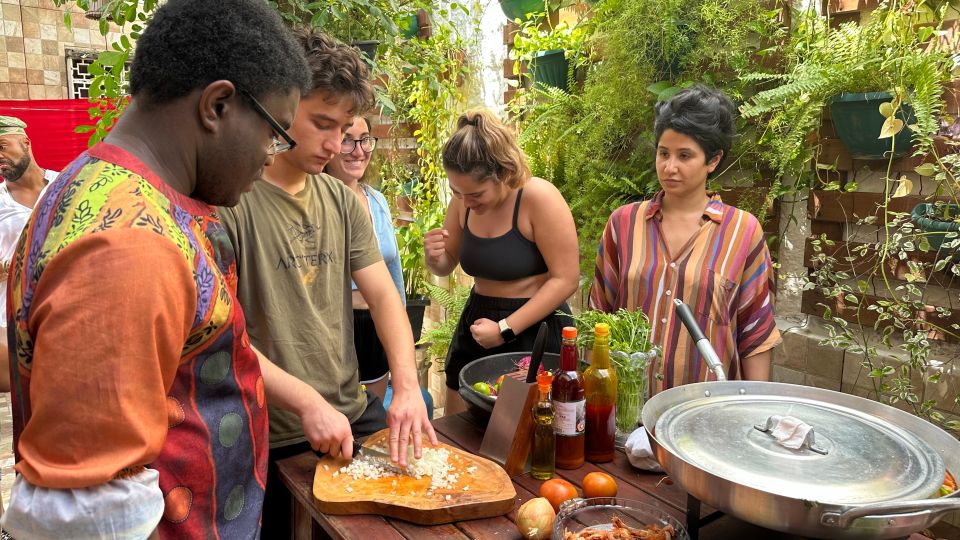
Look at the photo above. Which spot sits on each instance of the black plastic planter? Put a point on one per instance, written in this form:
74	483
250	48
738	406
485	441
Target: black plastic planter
937	230
415	309
367	48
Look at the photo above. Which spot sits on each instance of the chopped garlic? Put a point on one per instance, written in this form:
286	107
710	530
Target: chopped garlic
447	497
466	488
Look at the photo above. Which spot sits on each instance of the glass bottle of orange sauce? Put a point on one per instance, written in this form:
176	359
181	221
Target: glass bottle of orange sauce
600	384
569	404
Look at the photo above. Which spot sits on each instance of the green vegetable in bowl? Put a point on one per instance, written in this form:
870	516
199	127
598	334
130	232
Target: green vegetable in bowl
482	387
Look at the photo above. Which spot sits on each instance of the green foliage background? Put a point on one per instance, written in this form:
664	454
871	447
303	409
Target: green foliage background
596	143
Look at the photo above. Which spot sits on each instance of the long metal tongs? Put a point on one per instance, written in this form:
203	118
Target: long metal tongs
703	344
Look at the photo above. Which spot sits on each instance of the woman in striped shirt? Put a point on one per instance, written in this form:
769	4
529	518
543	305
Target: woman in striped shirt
687	244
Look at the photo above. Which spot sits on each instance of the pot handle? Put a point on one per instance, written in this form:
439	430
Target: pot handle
934	508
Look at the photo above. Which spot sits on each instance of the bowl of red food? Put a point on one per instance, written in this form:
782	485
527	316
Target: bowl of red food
479	380
614	518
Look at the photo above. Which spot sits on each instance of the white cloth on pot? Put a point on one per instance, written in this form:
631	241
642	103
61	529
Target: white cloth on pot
640	453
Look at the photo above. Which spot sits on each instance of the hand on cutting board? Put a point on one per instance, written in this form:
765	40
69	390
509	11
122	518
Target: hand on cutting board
408	421
327	429
486	333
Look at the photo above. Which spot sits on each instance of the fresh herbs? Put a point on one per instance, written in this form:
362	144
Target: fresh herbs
629	330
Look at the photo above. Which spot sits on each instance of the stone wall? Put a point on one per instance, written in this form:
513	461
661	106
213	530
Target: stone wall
33	63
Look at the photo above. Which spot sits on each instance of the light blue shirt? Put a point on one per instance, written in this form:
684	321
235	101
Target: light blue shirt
386	237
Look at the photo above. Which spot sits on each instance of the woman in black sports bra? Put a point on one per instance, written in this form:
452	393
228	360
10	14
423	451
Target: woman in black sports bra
514	234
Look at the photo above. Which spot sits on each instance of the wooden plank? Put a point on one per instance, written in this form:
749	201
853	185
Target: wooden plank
848	6
841	207
417	532
842	309
865	264
297	474
832	230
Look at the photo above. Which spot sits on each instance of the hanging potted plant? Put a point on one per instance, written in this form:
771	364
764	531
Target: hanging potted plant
520	9
548	51
855	70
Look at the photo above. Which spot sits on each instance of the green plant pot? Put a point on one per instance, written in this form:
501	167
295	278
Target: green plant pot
518	9
937	229
857	121
409	26
550	68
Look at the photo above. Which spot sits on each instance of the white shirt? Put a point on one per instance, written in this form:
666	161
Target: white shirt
13	218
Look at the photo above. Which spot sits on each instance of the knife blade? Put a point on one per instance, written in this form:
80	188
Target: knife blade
366	451
537	354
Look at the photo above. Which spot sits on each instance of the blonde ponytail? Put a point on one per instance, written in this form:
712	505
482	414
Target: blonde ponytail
485	148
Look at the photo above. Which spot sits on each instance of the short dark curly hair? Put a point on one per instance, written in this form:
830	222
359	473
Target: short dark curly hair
336	68
704	114
191	43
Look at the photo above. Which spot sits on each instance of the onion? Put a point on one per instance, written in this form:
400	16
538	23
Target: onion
535	519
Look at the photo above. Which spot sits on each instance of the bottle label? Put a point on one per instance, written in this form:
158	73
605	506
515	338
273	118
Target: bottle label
569	417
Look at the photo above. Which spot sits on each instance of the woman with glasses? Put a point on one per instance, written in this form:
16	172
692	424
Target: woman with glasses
350	167
687	244
514	234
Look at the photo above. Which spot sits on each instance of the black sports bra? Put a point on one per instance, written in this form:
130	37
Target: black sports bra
504	258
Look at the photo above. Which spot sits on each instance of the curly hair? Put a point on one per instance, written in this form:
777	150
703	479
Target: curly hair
704	114
191	43
336	68
484	148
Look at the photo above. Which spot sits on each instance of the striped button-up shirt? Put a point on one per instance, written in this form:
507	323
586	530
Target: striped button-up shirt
724	273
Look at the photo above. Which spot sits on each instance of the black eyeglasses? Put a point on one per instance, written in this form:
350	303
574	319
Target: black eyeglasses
276	145
367	144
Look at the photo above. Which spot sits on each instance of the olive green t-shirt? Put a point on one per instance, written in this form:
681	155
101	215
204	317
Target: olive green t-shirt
295	255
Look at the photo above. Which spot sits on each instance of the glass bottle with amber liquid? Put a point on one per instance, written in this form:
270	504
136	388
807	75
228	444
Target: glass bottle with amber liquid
569	404
544	440
600	383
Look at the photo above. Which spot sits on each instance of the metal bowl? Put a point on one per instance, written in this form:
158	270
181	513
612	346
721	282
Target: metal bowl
489	369
597	513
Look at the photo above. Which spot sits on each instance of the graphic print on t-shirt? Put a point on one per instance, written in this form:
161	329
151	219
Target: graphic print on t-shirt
304	252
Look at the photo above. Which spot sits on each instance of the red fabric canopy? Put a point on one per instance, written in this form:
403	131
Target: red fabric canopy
50	125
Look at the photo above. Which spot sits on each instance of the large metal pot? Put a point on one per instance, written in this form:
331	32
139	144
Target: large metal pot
870	471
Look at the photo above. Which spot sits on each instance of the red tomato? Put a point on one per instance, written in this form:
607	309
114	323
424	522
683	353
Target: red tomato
598	484
556	491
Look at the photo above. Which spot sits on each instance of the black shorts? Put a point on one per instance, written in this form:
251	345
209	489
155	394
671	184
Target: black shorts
464	349
371	357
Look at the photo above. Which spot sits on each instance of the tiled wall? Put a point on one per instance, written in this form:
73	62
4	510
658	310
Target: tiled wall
32	60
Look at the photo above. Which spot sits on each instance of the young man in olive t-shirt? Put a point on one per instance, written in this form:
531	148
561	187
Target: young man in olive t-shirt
299	237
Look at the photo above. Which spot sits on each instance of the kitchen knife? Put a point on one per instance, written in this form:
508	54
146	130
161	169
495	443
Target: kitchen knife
366	451
537	355
703	344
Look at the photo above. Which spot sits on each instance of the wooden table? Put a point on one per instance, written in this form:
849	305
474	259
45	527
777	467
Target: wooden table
459	430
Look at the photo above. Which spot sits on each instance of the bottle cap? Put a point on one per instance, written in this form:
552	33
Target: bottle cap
601	329
569	332
545	380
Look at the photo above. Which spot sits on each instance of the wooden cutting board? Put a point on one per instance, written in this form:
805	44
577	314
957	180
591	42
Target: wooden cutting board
482	489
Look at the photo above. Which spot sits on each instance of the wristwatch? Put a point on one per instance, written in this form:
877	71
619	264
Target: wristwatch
506	332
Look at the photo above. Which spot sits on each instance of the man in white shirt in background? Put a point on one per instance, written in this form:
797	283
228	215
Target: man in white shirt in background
23	183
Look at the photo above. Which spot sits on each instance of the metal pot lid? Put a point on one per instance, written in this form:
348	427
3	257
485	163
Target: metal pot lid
856	458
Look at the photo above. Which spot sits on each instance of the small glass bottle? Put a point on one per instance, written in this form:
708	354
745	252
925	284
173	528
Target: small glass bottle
544	440
600	383
569	404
